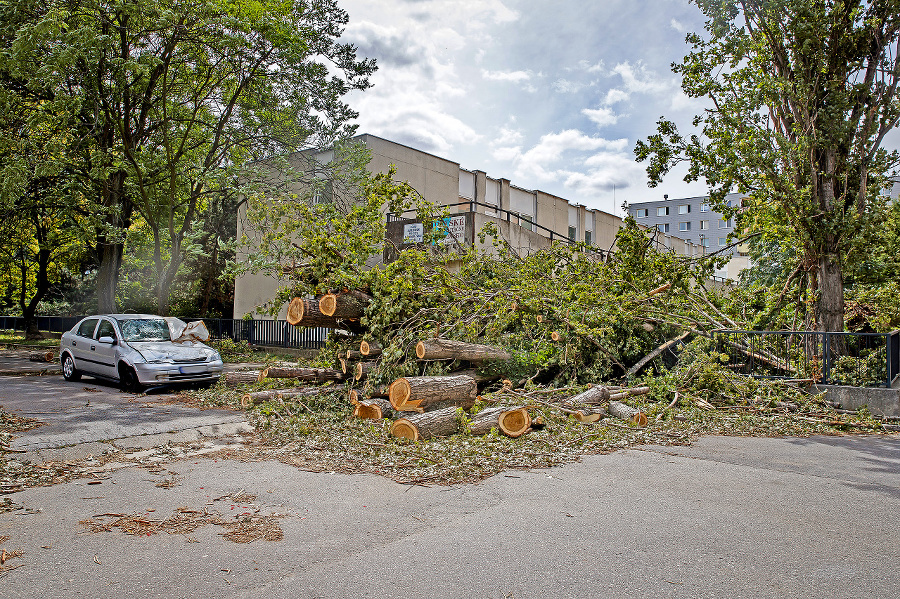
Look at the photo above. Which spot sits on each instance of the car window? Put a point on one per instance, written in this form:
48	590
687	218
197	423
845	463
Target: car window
86	329
105	329
145	329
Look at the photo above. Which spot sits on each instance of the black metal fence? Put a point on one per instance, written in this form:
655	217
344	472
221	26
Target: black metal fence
859	359
274	333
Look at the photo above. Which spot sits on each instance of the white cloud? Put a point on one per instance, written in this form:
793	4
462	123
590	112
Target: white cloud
614	96
565	86
601	116
511	76
638	79
678	26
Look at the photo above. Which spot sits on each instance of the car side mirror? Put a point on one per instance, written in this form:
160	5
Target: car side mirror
107	339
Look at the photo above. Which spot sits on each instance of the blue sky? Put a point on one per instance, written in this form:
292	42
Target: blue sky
550	94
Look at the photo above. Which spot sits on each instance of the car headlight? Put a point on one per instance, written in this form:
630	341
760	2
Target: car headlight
214	357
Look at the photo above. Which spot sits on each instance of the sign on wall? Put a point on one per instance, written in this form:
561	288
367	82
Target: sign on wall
413	233
455	229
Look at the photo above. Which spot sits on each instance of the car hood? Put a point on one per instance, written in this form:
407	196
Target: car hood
166	350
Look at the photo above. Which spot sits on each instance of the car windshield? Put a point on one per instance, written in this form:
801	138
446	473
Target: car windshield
145	329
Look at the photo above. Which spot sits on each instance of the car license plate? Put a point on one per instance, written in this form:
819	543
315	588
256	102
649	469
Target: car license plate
191	369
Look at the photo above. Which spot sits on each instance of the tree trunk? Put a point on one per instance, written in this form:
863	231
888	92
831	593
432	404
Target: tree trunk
342	305
42	356
830	308
431	392
437	423
305	313
303	374
448	349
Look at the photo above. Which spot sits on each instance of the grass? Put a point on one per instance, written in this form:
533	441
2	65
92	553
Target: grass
8	337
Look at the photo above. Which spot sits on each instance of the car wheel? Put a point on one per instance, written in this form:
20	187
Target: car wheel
128	379
70	373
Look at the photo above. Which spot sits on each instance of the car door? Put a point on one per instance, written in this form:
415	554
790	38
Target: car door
104	354
80	344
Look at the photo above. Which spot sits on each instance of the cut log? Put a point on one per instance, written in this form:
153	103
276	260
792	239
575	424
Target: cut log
448	349
659	289
344	364
352	355
512	422
417	427
243	377
587	415
303	374
481	379
374	408
42	356
625	412
594	395
295	311
251	399
432	392
370	348
557	336
342	305
363	369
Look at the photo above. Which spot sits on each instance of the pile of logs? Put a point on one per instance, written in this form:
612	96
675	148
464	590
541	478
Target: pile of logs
421	407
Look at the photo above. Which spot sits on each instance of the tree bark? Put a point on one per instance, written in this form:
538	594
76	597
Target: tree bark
431	392
448	349
418	427
244	377
42	356
830	312
594	395
626	412
363	369
305	313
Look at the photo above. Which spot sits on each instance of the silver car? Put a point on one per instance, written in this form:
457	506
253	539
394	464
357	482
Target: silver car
137	350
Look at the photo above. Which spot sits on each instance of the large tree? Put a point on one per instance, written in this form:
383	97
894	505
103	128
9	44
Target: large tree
801	95
168	98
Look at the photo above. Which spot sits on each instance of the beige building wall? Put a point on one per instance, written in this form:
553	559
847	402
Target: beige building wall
443	182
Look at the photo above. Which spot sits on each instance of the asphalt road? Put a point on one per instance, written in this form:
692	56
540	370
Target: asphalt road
728	517
91	411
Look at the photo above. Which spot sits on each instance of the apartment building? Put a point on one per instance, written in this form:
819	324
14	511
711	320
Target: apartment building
527	219
696	221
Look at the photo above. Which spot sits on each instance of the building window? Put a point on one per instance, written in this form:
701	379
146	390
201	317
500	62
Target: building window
684	226
704	242
572	233
723	241
526	223
662	211
587	237
641	213
725	224
663	227
704	225
704	207
323	192
684	209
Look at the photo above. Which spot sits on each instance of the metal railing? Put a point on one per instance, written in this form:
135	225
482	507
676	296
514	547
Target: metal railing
858	359
522	221
275	333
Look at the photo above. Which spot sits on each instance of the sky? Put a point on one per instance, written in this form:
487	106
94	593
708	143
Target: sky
550	94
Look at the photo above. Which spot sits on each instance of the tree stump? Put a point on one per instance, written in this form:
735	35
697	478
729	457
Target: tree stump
424	393
437	423
448	349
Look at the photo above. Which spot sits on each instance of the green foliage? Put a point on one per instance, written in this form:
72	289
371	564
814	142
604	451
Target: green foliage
801	96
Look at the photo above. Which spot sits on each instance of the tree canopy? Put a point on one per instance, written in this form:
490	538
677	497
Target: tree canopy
165	101
801	96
